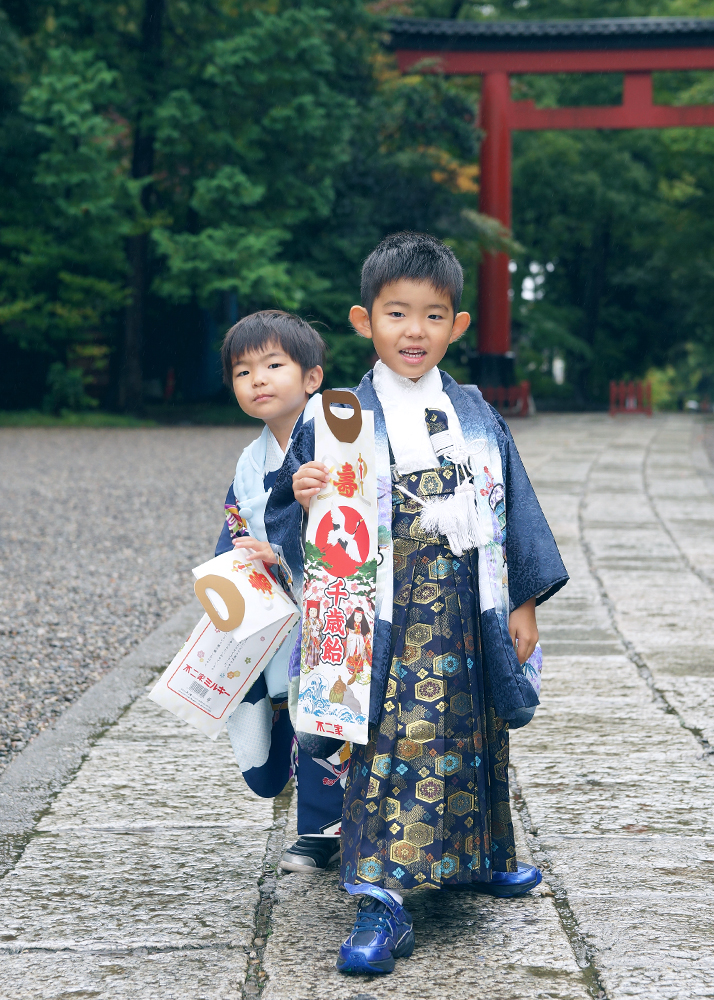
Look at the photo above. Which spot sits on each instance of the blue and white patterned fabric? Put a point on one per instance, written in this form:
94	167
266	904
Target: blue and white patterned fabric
260	729
525	558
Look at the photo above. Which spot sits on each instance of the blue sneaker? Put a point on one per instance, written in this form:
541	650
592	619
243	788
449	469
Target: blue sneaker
505	884
383	932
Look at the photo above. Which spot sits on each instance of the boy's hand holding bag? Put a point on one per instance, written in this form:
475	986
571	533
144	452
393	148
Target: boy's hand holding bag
248	617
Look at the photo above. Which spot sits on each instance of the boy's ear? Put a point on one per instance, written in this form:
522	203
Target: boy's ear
359	318
313	380
462	321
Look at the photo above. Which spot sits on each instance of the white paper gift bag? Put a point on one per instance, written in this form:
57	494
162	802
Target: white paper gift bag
248	618
340	577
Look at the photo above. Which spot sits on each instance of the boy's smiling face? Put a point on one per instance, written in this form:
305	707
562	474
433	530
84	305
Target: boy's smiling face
411	325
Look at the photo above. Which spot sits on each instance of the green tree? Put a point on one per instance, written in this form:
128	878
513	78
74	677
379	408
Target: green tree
182	152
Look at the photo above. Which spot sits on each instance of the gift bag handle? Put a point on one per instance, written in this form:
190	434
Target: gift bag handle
231	595
347	430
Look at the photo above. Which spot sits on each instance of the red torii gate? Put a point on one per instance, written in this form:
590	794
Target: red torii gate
635	46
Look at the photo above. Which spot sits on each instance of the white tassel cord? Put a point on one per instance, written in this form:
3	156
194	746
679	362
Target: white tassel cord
474	531
455	516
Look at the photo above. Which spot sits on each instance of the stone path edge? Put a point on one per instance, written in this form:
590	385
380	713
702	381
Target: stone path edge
585	957
630	649
46	765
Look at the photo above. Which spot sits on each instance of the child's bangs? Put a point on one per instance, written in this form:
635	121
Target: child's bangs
413	257
254	341
272	328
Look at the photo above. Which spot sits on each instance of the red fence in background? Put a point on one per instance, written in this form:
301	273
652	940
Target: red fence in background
511	401
630	397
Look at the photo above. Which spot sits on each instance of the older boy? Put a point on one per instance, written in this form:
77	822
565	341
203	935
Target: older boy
426	801
273	362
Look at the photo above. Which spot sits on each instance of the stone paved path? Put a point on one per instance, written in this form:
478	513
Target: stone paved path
152	874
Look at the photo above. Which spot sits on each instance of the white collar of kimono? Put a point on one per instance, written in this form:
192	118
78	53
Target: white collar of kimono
403	403
257	453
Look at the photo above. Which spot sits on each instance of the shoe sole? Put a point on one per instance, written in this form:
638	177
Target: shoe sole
357	962
296	866
290	866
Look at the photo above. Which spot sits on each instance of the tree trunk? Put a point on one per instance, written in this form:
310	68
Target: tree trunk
131	396
131	381
592	298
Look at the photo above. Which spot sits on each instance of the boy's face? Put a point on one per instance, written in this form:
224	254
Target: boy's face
269	385
411	325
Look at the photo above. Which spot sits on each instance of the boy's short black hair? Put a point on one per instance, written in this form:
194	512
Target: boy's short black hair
416	257
293	335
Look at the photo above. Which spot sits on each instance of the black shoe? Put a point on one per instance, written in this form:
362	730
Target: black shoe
309	855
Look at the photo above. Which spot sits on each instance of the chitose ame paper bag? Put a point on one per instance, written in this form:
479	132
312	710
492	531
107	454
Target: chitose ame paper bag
340	577
248	618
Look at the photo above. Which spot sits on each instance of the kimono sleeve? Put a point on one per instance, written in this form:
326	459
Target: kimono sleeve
283	514
535	568
233	526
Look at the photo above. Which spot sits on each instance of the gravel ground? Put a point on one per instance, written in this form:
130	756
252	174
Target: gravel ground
99	531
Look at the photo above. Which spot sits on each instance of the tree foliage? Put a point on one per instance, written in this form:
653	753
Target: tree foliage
62	272
167	165
179	161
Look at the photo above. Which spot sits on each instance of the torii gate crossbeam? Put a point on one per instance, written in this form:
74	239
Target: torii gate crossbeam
636	46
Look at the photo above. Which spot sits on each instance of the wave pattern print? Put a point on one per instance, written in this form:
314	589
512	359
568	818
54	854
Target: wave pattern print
314	699
533	667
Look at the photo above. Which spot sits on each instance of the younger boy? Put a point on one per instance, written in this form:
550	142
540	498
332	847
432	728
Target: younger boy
426	801
273	362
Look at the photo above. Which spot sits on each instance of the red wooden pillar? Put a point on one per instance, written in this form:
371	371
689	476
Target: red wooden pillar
494	308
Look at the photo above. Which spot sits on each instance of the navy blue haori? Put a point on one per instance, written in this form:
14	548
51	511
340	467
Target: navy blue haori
535	569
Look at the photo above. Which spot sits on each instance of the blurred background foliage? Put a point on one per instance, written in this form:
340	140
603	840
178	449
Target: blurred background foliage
170	165
167	166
